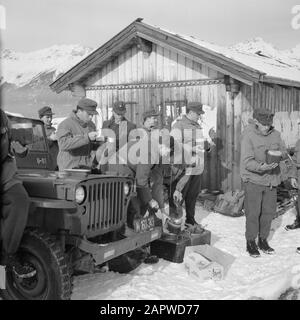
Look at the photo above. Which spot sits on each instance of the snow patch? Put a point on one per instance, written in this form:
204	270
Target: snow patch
248	278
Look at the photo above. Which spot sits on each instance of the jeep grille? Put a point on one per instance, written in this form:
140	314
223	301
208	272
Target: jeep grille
105	206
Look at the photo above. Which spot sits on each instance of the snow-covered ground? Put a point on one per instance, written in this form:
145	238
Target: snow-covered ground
266	277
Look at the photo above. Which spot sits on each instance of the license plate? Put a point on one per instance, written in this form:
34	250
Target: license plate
144	224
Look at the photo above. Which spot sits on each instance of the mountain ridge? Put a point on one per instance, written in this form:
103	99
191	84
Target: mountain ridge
26	75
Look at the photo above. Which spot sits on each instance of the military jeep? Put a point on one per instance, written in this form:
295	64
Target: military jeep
77	220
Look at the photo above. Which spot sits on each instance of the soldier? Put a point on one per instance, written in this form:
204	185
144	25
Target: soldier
260	179
148	174
119	124
77	137
15	202
45	114
187	131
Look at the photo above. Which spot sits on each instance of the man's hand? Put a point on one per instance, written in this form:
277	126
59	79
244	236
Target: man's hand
93	135
153	204
267	167
294	183
53	136
18	148
177	196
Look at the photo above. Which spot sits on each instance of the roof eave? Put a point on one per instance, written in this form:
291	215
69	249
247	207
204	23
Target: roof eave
280	81
112	46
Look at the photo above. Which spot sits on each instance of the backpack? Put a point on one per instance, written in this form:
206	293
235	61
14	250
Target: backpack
230	203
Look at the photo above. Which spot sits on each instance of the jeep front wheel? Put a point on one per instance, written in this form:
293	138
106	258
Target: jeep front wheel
52	280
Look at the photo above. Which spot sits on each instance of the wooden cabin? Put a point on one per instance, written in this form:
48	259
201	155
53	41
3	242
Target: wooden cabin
149	67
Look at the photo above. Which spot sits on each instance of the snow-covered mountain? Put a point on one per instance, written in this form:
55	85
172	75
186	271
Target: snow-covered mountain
23	68
261	48
26	78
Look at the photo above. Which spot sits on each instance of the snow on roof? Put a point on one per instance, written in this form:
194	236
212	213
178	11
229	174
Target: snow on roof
271	66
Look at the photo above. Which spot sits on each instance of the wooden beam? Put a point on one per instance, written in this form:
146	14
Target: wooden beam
157	84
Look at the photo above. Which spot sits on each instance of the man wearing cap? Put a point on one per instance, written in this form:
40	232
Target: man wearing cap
119	124
45	114
77	136
187	131
260	179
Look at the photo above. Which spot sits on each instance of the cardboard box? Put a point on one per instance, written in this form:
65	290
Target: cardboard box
205	262
2	277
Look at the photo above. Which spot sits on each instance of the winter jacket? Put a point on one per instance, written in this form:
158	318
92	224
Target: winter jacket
144	174
8	163
254	145
75	147
188	133
119	130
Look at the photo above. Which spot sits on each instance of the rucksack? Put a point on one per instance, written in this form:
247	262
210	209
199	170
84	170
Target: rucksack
230	203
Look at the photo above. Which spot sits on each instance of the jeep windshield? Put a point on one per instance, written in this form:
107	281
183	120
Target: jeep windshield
30	133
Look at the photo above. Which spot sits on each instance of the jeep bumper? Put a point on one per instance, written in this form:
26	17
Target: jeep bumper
105	252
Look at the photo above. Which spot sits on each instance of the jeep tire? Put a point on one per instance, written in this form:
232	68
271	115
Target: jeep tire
52	280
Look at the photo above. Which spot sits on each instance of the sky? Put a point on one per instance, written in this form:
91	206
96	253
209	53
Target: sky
36	24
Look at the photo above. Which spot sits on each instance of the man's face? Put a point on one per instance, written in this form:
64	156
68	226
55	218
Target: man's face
195	116
150	122
47	119
262	127
84	116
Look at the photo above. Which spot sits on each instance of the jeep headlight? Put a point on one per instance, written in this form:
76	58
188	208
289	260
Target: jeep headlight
80	194
126	189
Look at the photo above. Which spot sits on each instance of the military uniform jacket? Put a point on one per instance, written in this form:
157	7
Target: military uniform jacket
119	130
188	133
145	174
254	145
75	147
8	163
